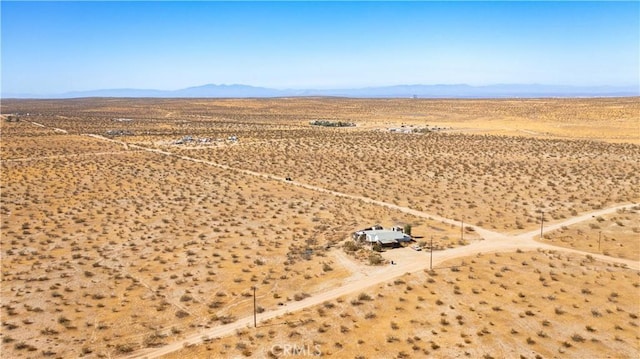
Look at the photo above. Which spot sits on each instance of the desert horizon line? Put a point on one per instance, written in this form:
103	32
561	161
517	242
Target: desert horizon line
435	90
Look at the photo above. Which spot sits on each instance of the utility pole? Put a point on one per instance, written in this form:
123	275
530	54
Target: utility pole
462	230
541	223
255	322
599	238
431	258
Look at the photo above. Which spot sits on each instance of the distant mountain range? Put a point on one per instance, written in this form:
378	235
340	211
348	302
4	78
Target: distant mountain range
400	91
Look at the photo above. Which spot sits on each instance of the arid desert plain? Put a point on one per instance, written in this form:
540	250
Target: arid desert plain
170	227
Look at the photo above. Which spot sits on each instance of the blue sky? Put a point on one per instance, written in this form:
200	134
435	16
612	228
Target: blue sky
54	47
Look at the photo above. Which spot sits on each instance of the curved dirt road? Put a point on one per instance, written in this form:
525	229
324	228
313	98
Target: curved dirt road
411	261
494	243
481	231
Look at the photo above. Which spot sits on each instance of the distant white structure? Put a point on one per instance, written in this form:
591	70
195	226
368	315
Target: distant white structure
401	130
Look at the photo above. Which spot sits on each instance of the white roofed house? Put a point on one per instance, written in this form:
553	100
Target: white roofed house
360	236
386	238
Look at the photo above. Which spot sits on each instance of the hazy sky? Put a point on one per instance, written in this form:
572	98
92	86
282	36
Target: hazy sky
54	47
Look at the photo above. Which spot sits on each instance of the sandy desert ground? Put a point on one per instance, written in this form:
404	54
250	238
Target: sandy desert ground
117	240
536	304
614	235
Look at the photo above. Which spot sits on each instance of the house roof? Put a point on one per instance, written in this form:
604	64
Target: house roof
384	236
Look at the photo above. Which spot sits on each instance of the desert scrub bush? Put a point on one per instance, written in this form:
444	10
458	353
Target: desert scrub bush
48	331
181	314
215	304
64	321
375	259
23	345
328	305
225	319
259	262
300	296
154	340
125	348
577	338
351	246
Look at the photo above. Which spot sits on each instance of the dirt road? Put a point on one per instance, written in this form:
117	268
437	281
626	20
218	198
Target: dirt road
481	231
73	155
409	261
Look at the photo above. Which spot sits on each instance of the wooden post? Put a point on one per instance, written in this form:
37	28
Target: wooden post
431	258
541	223
255	322
599	238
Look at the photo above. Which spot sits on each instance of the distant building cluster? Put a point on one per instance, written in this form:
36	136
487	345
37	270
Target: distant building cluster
411	129
15	117
116	133
326	123
204	140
